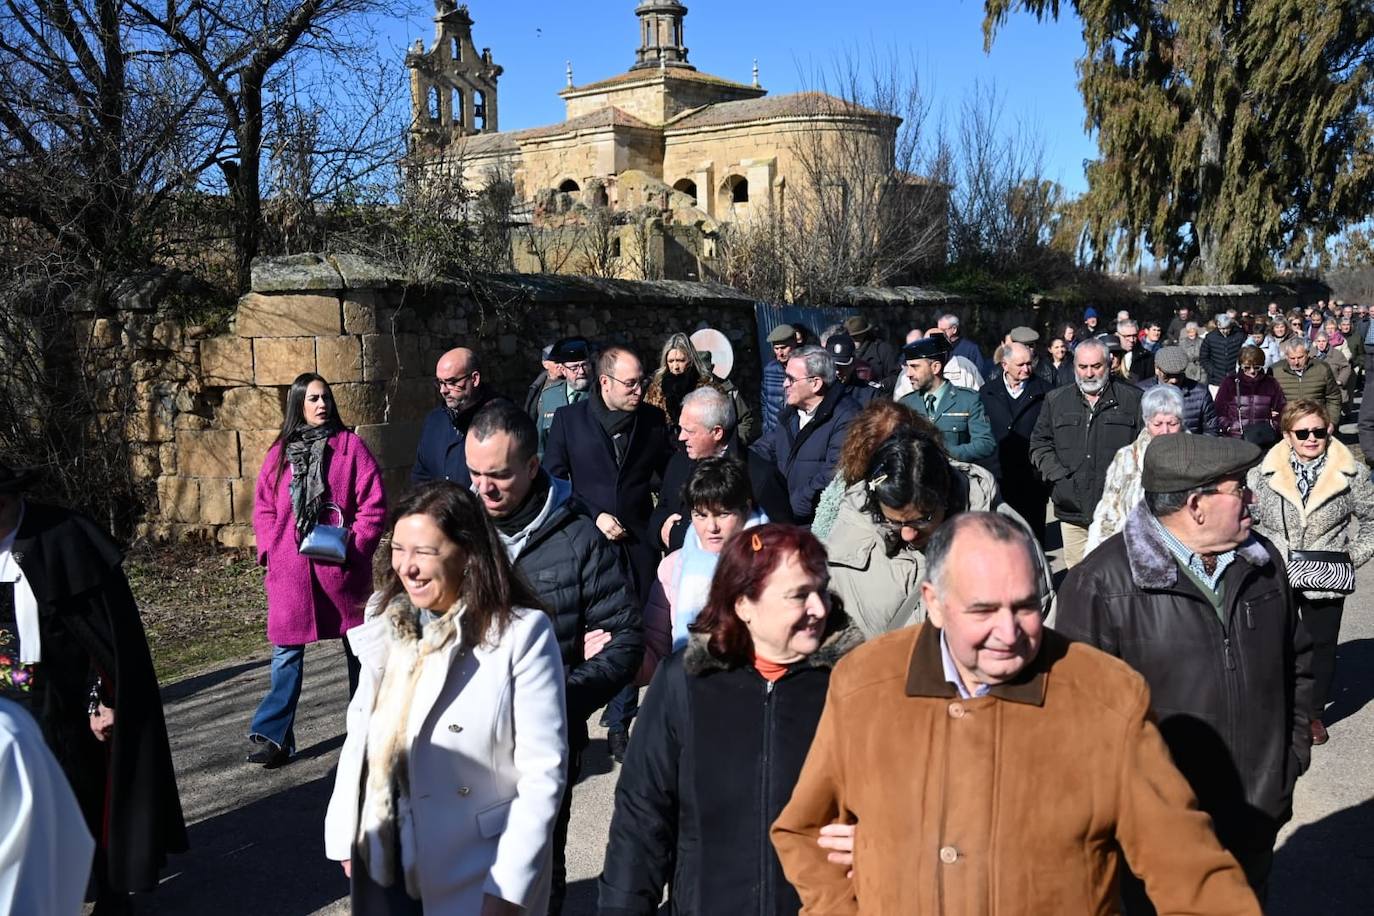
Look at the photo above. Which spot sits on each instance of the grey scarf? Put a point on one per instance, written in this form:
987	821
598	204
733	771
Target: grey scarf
305	451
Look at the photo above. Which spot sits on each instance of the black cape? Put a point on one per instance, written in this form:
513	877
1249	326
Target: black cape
89	624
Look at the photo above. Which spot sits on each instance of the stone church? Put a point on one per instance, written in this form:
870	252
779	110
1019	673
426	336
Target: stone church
700	149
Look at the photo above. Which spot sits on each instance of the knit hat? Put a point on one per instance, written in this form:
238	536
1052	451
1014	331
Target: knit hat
1089	312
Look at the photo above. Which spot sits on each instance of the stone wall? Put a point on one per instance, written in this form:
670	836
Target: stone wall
376	340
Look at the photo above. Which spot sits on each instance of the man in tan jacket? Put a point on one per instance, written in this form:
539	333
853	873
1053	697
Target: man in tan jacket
993	767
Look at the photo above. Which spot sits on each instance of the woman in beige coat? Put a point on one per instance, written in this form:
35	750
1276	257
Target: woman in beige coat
1312	494
887	516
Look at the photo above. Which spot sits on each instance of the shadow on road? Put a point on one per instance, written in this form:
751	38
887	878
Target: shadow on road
194	685
1327	867
267	857
1353	687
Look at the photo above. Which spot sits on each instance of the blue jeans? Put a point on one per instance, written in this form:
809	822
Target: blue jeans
275	718
622	709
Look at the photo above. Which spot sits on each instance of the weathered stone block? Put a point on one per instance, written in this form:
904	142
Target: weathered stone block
395	483
236	536
361	404
253	444
252	408
339	359
241	495
211	453
192	421
360	313
278	360
392	444
178	499
216	502
381	357
302	315
295	272
104	333
411	400
167	457
226	361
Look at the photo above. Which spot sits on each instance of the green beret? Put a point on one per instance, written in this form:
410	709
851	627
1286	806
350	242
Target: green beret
783	333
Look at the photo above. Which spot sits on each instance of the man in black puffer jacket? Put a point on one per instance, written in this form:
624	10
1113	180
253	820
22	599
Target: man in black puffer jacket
1220	350
572	568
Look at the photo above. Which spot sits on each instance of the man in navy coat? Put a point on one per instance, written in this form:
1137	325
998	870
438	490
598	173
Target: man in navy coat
1012	399
440	455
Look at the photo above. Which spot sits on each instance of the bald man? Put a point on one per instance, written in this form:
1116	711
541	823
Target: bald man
440	455
1012	399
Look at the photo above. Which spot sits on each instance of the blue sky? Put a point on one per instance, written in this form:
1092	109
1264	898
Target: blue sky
1031	64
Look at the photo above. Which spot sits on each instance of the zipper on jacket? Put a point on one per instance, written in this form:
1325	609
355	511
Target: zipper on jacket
766	872
1230	659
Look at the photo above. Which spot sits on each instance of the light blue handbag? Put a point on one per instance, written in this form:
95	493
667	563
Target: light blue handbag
327	543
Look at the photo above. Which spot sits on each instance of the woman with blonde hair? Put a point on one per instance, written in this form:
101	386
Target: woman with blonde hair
681	370
1313	495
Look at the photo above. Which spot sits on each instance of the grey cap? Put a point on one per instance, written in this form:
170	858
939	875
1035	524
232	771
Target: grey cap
1171	360
1024	335
783	333
1183	461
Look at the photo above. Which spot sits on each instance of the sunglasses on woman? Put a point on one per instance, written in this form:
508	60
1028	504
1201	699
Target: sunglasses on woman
1319	433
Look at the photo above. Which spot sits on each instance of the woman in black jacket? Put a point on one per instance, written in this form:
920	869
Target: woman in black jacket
722	735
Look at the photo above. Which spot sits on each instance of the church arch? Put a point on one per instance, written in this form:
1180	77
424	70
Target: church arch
687	186
569	186
734	191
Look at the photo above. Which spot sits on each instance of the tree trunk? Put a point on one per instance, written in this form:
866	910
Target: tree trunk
245	192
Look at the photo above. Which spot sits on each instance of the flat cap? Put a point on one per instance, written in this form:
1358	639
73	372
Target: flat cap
1171	360
570	350
783	333
1183	461
841	349
1024	335
934	347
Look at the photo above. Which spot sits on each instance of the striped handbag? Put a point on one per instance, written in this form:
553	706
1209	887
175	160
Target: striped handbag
1318	570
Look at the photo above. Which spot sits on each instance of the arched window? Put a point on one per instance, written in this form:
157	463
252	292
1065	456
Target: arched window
434	110
569	187
739	192
479	110
458	50
686	186
458	113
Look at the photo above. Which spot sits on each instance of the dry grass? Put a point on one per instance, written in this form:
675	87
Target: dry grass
201	605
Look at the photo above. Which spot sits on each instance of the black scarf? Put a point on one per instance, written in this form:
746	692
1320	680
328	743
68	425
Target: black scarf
616	423
529	510
305	451
677	387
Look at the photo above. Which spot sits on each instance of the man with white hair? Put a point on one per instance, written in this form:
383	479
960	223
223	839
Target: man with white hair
707	429
1079	431
805	445
1012	400
1220	351
1135	362
960	345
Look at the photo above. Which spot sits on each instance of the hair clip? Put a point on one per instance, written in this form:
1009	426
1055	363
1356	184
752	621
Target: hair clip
756	543
877	482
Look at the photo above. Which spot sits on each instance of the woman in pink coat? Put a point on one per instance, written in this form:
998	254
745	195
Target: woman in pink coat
313	464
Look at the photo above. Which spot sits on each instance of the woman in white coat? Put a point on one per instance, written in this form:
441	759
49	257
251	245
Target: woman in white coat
452	772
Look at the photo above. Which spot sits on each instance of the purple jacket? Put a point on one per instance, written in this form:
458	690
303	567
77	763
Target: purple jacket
308	600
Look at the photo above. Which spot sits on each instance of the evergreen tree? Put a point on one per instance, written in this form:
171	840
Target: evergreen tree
1233	136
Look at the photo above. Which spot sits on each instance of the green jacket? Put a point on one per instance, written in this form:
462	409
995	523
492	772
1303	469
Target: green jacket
554	397
959	416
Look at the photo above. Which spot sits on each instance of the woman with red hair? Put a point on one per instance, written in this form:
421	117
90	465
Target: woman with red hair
722	735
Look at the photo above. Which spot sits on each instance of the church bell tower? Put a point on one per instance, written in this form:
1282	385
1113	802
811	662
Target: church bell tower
660	35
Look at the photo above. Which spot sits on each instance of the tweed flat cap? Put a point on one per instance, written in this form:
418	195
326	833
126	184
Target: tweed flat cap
783	333
570	350
1024	335
1171	360
1183	461
934	347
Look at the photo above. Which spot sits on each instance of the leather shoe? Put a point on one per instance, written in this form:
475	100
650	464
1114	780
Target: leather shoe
1319	735
618	741
269	755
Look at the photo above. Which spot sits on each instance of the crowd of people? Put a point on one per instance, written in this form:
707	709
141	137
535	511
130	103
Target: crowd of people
835	584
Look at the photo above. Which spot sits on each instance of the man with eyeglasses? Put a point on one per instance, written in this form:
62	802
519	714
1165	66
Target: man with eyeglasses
1194	600
458	381
611	446
805	445
571	358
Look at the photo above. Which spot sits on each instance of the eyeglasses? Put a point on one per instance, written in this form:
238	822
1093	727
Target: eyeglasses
789	380
580	366
630	385
1319	433
1251	369
894	526
458	382
1240	492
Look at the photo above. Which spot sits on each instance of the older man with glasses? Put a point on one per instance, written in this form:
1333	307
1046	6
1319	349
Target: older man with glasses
1189	596
458	382
571	360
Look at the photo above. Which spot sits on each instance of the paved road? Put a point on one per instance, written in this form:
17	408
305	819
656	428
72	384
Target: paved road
258	848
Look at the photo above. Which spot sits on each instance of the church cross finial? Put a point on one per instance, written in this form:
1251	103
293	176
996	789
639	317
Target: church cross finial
756	71
570	77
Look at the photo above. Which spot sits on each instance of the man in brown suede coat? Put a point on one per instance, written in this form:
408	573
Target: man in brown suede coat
992	766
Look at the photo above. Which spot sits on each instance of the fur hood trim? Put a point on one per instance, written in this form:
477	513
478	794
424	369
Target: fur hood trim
403	624
1153	565
1336	478
697	658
